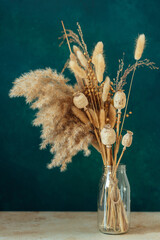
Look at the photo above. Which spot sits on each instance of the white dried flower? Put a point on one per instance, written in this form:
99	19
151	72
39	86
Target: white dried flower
119	100
80	100
108	135
127	139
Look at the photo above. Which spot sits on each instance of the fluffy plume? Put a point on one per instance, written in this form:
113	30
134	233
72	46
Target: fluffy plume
82	59
61	129
140	44
100	67
97	50
77	70
75	49
80	56
106	89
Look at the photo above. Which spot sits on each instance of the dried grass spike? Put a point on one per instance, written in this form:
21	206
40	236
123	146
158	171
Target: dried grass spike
97	50
75	49
140	44
82	59
77	70
80	115
102	118
100	67
112	115
94	117
106	89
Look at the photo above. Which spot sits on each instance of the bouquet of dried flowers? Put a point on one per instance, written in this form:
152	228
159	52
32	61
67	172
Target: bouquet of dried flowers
88	113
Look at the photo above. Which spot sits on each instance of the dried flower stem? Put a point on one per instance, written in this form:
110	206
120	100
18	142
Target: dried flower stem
128	97
66	37
118	122
116	167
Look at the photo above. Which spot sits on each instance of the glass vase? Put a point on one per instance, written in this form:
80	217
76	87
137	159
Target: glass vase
114	201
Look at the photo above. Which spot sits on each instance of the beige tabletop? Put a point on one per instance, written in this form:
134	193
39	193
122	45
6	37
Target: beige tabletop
73	226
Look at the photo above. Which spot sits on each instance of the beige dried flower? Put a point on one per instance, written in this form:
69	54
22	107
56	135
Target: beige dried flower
127	139
140	44
97	50
80	100
108	135
82	59
81	115
77	70
119	100
100	67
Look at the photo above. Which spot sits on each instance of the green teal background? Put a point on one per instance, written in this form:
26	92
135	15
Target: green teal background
29	31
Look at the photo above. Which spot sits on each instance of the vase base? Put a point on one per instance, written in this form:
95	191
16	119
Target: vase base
111	231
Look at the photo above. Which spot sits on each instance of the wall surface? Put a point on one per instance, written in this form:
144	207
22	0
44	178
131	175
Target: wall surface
29	31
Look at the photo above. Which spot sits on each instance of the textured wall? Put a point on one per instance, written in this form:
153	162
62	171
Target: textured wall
29	31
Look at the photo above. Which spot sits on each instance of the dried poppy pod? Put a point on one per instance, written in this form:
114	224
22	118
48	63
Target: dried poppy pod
119	100
80	100
108	135
127	139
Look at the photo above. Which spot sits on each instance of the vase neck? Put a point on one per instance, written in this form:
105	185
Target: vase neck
109	168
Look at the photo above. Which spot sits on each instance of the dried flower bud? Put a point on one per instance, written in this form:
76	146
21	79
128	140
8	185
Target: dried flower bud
108	135
80	100
127	139
139	47
119	100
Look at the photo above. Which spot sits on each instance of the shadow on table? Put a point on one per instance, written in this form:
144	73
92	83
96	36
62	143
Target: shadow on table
140	229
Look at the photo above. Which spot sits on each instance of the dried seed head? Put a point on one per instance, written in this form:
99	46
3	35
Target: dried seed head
106	89
127	139
108	135
80	100
140	44
119	100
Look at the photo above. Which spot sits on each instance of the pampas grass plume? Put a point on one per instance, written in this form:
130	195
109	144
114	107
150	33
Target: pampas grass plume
140	44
